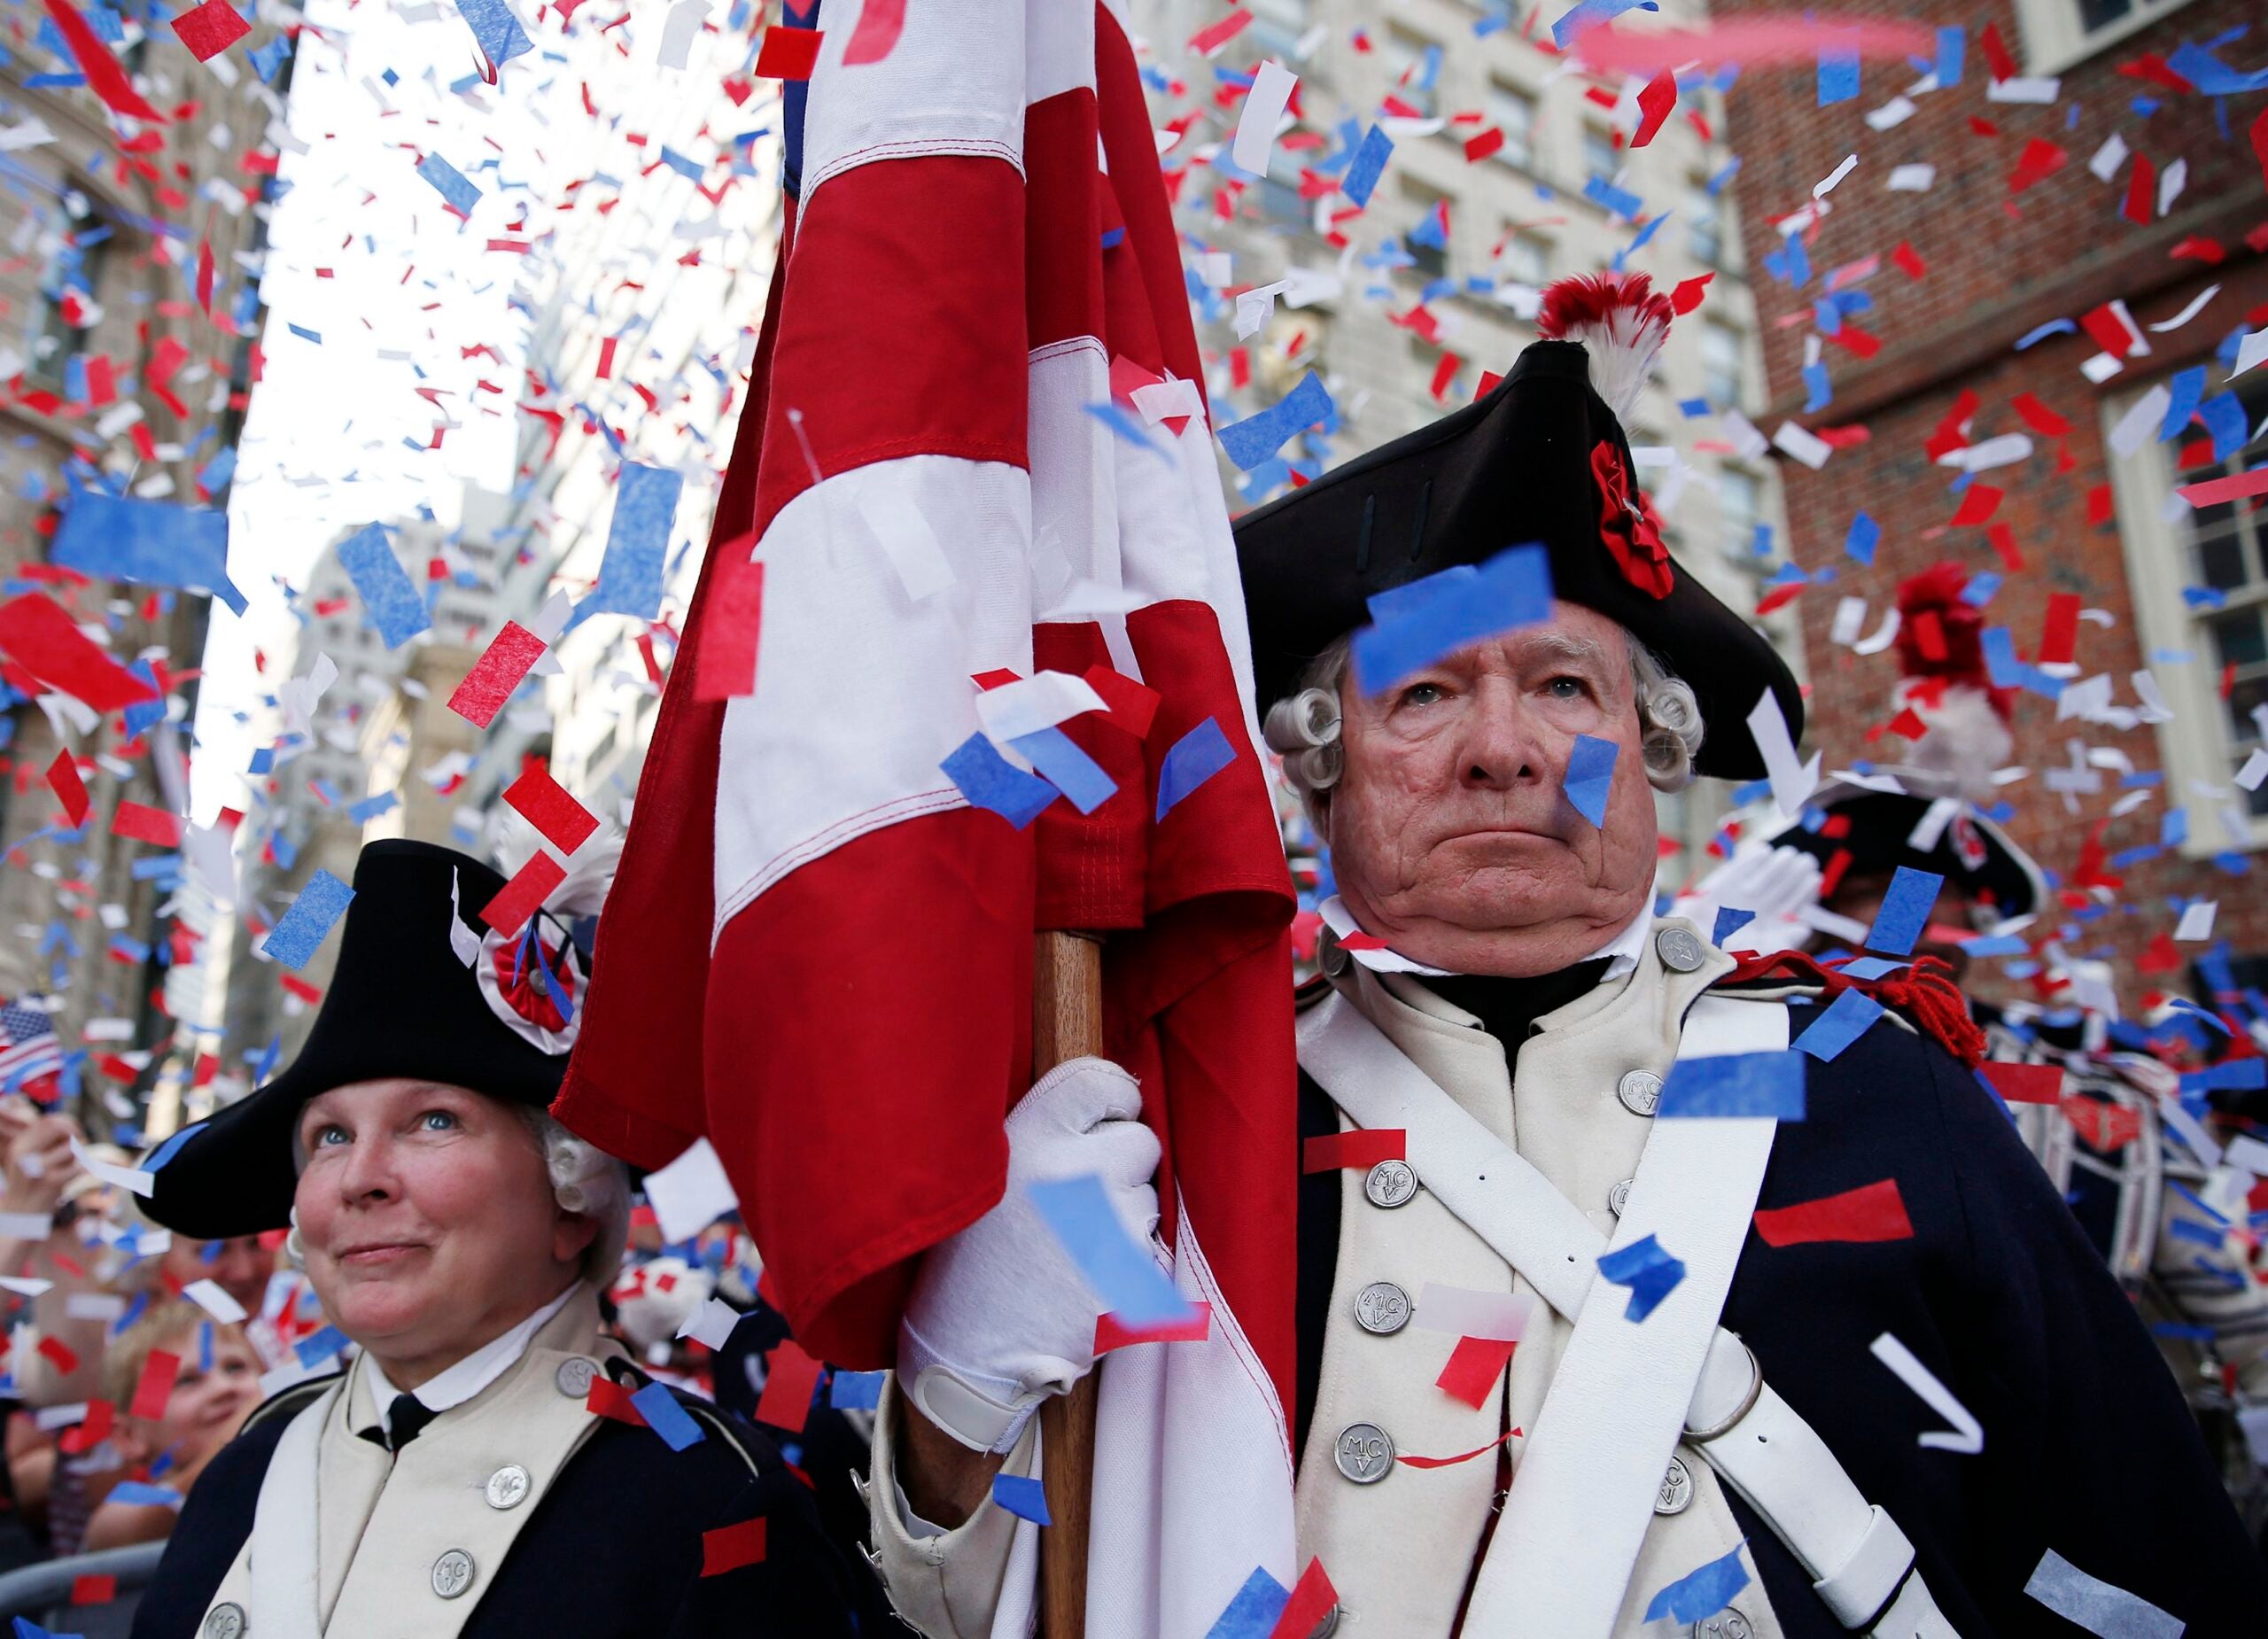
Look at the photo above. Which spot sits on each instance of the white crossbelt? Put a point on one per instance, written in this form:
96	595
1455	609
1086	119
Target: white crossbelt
1858	1558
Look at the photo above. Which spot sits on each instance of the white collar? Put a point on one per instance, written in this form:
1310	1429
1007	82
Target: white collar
454	1385
1622	951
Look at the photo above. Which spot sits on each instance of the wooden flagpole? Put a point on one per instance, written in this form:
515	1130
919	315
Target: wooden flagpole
1066	1023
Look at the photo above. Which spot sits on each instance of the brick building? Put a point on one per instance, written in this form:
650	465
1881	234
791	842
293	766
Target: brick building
2033	214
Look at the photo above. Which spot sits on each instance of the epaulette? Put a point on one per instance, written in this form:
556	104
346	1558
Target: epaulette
292	1400
1921	994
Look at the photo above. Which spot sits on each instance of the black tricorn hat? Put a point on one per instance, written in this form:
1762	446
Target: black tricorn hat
403	1002
1873	828
1535	460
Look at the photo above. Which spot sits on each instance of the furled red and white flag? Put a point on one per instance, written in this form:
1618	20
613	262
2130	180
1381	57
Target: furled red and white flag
973	489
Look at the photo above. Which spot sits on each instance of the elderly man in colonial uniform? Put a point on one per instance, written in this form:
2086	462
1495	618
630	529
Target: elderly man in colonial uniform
1810	1347
458	1477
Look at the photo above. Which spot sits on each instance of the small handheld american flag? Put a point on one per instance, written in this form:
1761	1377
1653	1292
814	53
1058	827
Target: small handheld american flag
30	1059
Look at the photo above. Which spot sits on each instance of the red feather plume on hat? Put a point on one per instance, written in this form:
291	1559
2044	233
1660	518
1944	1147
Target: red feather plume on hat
1622	321
1947	685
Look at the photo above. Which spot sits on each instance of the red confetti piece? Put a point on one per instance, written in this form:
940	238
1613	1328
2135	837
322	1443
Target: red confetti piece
2213	491
1208	40
2039	417
2111	333
1996	52
1312	1599
608	1398
725	664
1478	148
70	791
551	808
1363	1147
1686	295
2142	190
1444	373
299	988
1872	1212
1461	1457
728	1547
104	78
85	1436
210	29
1655	102
1473	1367
524	895
2260	145
2026	1083
497	673
2039	161
91	1588
1978	503
46	642
145	824
879	23
2004	542
1112	1333
156	1386
786	1402
787	53
1131	705
2059	640
2100	505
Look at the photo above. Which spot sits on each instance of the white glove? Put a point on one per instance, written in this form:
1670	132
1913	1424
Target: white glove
1000	1318
1779	884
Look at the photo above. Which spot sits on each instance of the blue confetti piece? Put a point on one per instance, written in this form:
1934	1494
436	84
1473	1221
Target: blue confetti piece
1362	179
1996	945
1871	967
1590	776
1981	589
385	587
1819	391
498	31
1693	408
1952	47
1733	1085
1125	426
1851	1016
990	781
1060	762
1122	1274
1729	921
2007	672
630	574
267	59
1416	624
370	807
1255	1611
2210	75
170	1148
302	927
1255	439
1864	536
662	1414
2053	327
1024	1498
1607	196
155	543
138	1495
322	1346
460	193
1648	1269
1195	757
856	1391
1590	14
2223	417
1702	1594
2235	1076
2188	390
1838	77
2173	827
1905	911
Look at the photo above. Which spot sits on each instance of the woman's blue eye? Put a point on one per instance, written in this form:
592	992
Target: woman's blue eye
438	1120
330	1135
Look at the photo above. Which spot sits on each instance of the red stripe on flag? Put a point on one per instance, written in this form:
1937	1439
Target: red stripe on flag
1063	225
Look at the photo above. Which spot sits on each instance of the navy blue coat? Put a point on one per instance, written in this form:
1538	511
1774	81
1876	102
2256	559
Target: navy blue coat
613	1550
2089	1448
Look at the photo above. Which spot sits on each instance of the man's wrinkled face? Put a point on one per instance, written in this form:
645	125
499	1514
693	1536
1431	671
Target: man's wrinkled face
1451	834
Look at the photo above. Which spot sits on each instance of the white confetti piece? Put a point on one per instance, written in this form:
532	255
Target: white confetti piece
2172	181
1029	704
2197	920
1263	107
1894	112
2196	306
1805	447
1793	782
1849	620
2255	770
2094	1605
907	540
1820	189
712	1324
2251	349
691	1192
2108	157
1969	1438
1912	178
25	1225
132	1178
2023	90
214	1299
1463	1312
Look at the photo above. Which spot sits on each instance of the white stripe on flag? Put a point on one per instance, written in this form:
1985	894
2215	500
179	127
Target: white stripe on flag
954	83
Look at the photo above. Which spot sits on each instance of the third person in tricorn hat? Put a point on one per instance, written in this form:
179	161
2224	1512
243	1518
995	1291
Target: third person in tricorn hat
1615	1316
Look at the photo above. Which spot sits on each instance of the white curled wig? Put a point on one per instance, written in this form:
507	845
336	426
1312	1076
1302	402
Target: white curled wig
585	1180
1304	728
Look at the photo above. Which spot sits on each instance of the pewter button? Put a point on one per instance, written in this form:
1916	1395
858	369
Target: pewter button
1332	956
574	1378
1382	1307
1618	1196
508	1487
1641	1091
1390	1184
1364	1453
1677	1488
224	1621
1727	1624
452	1573
1681	951
1328	1626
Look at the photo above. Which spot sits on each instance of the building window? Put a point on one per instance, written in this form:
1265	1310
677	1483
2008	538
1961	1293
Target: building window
2208	616
1277	27
1415	66
1526	258
1740	502
73	268
1513	113
1703	235
1720	364
2060	32
1601	156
